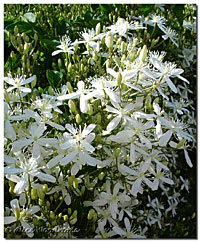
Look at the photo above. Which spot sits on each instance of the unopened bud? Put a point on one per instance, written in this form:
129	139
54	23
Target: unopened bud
35	37
90	109
33	83
117	152
17	213
69	68
119	78
6	96
75	183
143	54
51	91
48	204
16	30
40	202
90	214
98	28
75	46
109	40
69	211
69	87
94	55
72	106
52	215
25	48
40	194
123	46
78	118
101	176
65	218
45	188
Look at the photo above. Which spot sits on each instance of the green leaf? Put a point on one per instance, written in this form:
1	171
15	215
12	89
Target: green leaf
23	27
30	17
54	78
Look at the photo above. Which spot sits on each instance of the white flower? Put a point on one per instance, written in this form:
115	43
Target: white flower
28	168
127	233
169	33
79	145
81	92
22	215
35	137
66	46
112	199
18	83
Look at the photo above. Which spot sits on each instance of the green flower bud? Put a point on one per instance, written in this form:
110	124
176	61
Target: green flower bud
33	83
75	46
34	194
48	204
99	118
78	118
69	87
123	46
45	188
52	215
59	63
94	55
90	109
40	202
119	79
72	106
117	152
69	211
73	220
107	63
51	198
75	213
16	31
109	40
69	68
26	38
143	54
40	90
98	28
101	176
26	49
65	218
35	37
90	214
75	183
60	215
70	180
40	194
53	223
123	58
17	213
82	190
56	195
117	60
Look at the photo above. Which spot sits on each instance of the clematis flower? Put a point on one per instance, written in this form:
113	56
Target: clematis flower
28	168
79	145
22	215
65	46
18	82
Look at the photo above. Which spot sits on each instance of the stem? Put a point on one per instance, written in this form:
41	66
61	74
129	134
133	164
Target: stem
20	100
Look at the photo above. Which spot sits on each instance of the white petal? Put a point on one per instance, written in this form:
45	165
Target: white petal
54	161
113	123
9	219
119	231
112	72
136	187
83	104
21	143
127	224
55	125
112	95
68	158
171	85
46	177
71	129
88	159
25	89
28	80
34	209
188	158
87	146
132	153
165	138
21	185
88	129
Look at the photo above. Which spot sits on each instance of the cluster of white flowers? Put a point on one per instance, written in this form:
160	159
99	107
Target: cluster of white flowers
121	135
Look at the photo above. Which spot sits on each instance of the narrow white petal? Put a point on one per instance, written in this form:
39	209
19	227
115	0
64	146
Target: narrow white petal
21	143
171	85
89	159
28	80
87	146
71	129
188	158
113	123
165	138
46	177
88	129
68	158
83	104
9	219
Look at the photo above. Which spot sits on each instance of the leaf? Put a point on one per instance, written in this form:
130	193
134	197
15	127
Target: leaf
54	78
23	27
30	17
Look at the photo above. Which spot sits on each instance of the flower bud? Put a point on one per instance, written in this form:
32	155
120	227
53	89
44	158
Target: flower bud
90	109
98	118
26	49
56	195
33	83
117	60
107	63
52	215
45	188
40	202
60	215
82	190
117	152
26	38
16	31
123	46
75	183
109	40
143	54
75	46
72	106
69	210
69	67
35	37
17	213
40	90
59	63
78	118
72	220
119	79
98	28
69	87
90	214
65	218
94	55
51	91
40	194
101	176
70	180
123	58
48	204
